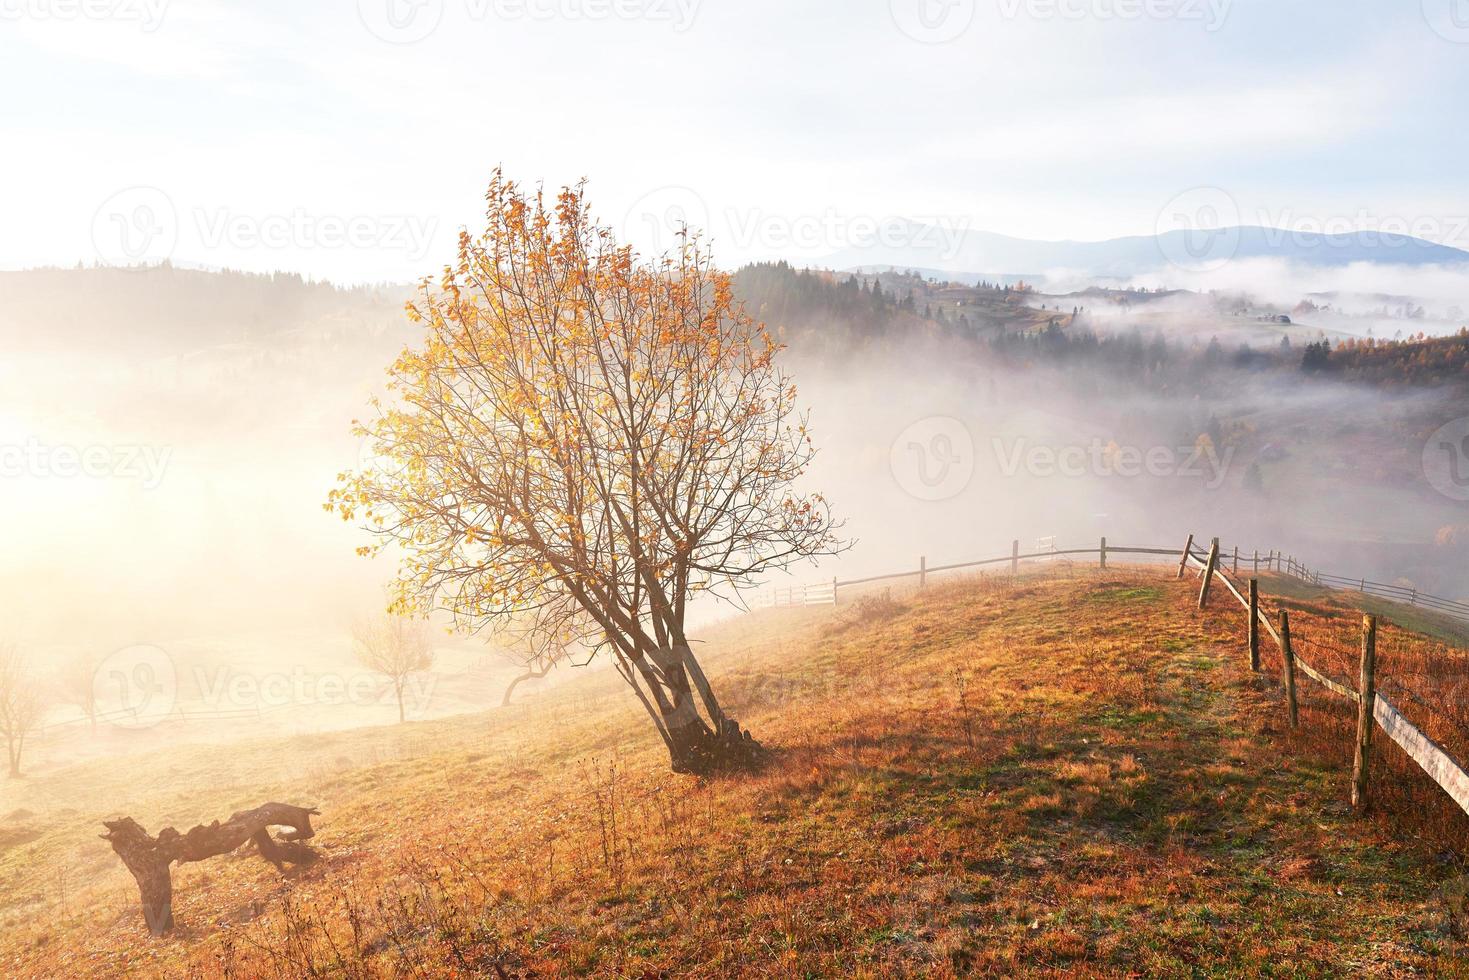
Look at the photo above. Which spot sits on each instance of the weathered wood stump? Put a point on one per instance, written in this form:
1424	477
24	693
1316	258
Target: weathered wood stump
150	858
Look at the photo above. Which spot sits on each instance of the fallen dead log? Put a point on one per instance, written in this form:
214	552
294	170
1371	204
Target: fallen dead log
149	858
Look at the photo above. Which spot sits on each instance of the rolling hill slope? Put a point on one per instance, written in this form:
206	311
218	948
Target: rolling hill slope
1061	772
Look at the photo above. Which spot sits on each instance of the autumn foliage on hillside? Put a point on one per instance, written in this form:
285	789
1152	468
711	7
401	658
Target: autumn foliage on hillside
1418	360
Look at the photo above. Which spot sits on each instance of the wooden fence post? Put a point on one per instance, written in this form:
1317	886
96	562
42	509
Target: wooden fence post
1236	559
1209	573
922	570
833	590
1257	561
1255	625
1288	668
1188	546
1104	553
1367	698
1015	557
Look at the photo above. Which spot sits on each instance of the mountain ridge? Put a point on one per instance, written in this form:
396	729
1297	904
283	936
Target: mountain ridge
971	251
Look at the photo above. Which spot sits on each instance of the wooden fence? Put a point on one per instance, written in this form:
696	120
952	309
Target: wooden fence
1373	710
1287	565
1406	594
820	594
825	593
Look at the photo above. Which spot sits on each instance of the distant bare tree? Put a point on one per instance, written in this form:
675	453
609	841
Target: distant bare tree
21	704
75	684
534	671
396	647
538	651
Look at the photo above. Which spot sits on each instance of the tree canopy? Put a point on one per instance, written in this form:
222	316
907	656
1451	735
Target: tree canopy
586	441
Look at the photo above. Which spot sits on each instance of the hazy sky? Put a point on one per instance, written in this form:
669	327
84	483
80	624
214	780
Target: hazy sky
351	138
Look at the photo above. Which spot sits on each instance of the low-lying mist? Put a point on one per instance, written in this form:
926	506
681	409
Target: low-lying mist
932	451
167	494
1356	298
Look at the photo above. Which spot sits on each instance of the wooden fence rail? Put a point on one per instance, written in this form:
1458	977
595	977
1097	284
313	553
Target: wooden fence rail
1447	772
1395	593
825	593
1450	775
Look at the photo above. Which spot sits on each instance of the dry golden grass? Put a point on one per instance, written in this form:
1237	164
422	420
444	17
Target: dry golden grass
1074	773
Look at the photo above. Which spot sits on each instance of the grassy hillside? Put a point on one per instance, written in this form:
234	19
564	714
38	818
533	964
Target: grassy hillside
1069	772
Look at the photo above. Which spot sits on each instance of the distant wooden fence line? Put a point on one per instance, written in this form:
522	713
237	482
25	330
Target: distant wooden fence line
1395	593
1374	710
825	593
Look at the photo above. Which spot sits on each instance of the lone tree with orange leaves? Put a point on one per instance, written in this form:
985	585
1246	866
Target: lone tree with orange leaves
582	443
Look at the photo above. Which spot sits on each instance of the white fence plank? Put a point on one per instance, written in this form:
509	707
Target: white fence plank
1423	750
1325	681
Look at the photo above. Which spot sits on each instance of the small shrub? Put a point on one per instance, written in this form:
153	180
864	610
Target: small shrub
876	608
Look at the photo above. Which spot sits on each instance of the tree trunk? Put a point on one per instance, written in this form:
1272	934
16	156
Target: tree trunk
149	858
694	746
701	683
694	749
149	867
